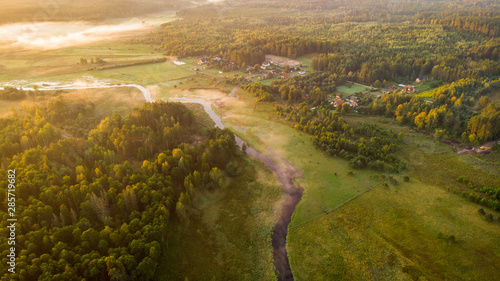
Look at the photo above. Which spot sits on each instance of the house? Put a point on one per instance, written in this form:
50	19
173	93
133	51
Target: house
178	62
422	78
203	61
285	75
265	64
338	102
217	59
276	71
353	104
401	85
354	98
408	89
302	72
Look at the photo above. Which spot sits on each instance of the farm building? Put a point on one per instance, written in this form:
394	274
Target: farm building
408	89
422	78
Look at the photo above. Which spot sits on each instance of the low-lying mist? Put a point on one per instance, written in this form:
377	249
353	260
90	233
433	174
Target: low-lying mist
56	35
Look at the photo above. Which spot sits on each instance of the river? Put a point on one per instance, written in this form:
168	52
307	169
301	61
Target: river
285	171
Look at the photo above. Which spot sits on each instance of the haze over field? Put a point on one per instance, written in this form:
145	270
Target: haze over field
55	35
38	32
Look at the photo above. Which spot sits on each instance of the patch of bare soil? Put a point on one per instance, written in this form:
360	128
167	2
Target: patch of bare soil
282	61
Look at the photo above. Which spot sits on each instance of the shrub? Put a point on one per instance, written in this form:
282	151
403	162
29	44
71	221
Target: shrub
481	211
406	178
489	217
451	238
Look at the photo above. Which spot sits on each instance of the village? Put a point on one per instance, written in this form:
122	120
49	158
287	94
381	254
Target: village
276	68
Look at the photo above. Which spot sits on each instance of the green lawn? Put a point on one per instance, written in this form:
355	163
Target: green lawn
307	59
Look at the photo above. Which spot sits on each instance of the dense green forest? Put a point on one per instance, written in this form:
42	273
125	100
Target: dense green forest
100	207
370	42
355	40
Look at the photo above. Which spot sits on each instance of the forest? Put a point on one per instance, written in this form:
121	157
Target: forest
100	206
454	44
362	49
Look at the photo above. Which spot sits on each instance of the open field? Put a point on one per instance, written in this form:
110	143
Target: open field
391	232
351	89
283	61
229	237
323	189
32	64
306	60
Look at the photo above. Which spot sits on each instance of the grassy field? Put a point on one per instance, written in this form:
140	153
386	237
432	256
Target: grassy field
326	180
229	235
391	233
378	235
351	89
306	60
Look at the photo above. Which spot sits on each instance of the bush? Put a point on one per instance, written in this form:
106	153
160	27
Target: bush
406	178
451	238
393	180
481	211
489	217
232	169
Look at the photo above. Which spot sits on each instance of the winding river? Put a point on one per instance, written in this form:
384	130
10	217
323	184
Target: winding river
283	169
286	173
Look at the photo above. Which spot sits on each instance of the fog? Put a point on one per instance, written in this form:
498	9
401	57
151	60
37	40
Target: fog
55	35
